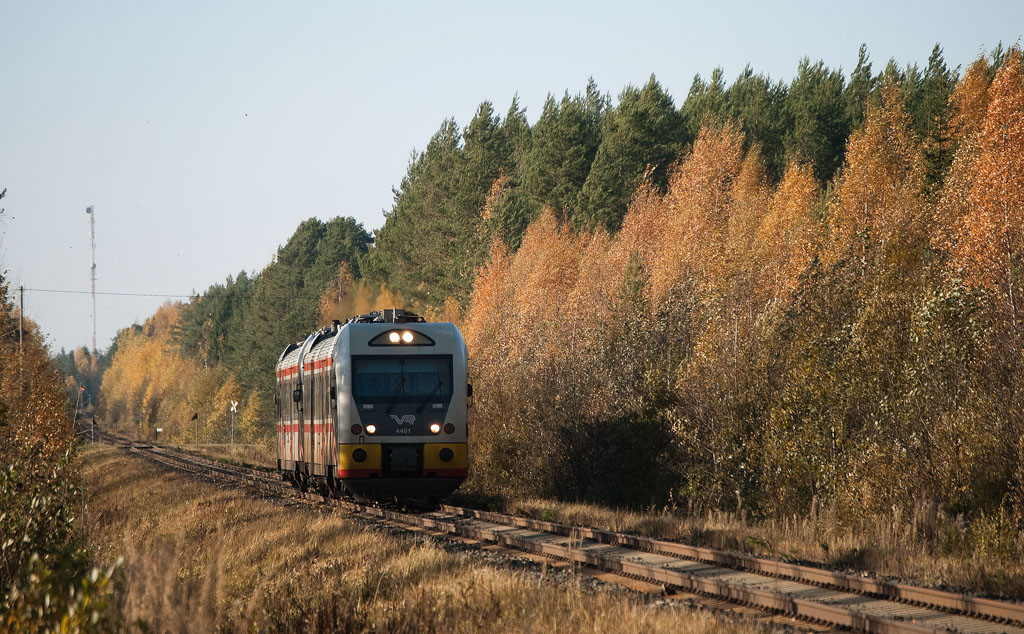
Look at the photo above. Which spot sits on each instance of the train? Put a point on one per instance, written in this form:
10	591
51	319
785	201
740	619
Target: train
375	408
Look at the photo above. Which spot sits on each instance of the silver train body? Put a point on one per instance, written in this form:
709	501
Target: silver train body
375	407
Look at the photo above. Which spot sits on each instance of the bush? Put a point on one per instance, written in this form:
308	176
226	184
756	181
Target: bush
49	584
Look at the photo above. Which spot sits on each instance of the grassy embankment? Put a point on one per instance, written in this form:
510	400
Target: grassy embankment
925	546
198	558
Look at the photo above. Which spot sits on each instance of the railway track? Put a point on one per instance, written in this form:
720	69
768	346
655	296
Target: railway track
811	594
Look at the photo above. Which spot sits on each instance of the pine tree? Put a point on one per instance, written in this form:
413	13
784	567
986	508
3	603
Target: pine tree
564	142
508	215
931	119
759	106
435	236
705	100
820	123
859	89
489	155
414	250
644	132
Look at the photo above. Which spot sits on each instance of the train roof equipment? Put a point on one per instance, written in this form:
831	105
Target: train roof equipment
387	316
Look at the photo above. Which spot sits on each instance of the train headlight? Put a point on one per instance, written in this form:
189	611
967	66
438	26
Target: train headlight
401	338
371	429
446	455
359	455
357	429
435	428
449	428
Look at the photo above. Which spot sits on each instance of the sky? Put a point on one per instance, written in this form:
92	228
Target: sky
204	132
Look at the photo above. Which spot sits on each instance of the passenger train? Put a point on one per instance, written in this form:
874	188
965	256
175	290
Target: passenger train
375	408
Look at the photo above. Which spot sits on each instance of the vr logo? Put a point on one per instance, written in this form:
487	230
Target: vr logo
407	419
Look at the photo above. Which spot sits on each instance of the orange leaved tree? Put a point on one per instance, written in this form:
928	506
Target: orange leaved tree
992	240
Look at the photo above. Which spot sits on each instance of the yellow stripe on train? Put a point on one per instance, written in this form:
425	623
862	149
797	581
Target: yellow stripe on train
432	456
348	457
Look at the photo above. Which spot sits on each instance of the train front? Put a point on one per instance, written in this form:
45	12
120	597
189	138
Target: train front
402	406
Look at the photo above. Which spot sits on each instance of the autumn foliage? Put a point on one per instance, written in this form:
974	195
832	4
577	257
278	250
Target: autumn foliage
152	385
989	253
770	347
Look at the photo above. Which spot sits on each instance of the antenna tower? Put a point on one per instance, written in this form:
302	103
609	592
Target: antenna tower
92	272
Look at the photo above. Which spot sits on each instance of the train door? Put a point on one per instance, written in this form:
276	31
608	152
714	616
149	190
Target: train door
326	416
295	408
321	428
330	409
293	422
284	457
307	416
314	419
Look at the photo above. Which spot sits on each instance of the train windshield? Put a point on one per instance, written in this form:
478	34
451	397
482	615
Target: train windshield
400	378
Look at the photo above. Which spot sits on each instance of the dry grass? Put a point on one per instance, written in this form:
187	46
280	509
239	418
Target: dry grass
200	558
923	546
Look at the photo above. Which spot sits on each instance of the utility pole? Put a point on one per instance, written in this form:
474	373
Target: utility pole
21	321
92	272
21	334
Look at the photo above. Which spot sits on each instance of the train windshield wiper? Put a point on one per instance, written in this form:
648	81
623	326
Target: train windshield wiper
398	390
423	403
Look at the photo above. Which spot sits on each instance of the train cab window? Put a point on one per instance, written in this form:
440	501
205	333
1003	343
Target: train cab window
402	378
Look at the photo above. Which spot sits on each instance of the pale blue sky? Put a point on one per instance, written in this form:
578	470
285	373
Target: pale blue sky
204	132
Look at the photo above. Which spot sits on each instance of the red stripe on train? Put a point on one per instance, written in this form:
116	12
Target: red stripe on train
359	473
368	473
309	367
318	428
446	473
316	365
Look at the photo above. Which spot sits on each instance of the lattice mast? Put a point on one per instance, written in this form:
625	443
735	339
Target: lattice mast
92	272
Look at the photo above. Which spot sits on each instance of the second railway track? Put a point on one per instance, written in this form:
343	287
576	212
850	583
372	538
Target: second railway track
812	594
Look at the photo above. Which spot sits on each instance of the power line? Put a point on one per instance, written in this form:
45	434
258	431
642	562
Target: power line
69	292
170	295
